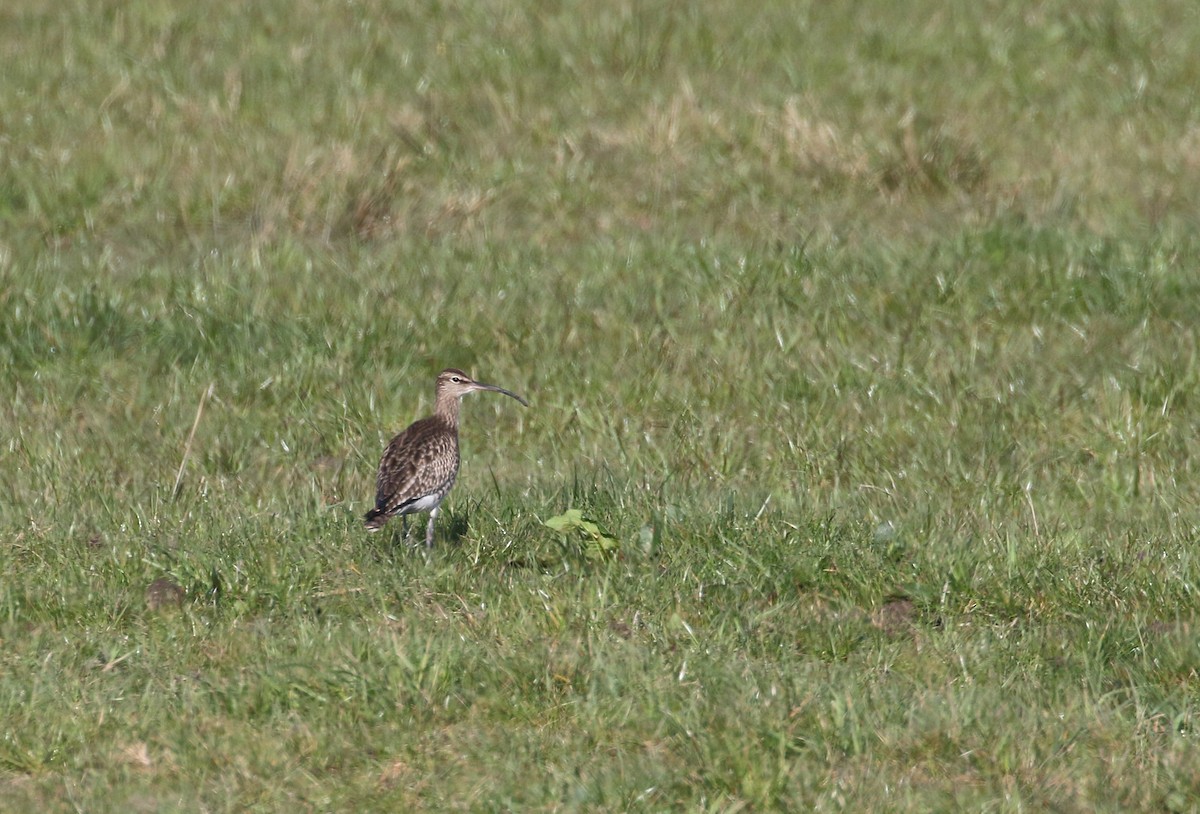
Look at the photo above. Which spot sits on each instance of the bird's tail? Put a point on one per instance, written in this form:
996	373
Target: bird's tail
375	519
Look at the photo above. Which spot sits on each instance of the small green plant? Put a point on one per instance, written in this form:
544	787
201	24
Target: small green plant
596	544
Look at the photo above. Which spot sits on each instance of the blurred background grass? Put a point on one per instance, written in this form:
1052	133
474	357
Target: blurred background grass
868	330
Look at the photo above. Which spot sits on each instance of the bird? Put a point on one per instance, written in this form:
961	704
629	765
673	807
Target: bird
420	464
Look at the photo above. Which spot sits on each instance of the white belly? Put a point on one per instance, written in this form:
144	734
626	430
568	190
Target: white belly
424	504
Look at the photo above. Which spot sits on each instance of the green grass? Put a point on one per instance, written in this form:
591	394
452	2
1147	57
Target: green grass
867	331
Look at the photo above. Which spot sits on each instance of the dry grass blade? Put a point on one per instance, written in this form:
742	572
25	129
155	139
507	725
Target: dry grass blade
187	448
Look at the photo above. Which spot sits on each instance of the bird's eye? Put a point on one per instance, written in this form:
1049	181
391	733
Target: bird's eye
455	379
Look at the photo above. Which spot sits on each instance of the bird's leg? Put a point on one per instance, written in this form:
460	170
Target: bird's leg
429	529
404	527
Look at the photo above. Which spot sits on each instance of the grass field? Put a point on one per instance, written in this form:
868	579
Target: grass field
866	332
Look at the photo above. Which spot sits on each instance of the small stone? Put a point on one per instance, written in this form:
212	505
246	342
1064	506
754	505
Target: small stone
164	593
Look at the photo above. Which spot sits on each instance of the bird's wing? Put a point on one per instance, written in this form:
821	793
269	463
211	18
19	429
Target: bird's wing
409	469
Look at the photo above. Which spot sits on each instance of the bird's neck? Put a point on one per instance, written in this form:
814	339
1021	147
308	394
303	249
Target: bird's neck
446	409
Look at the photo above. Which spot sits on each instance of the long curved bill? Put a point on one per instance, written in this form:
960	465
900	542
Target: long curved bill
495	389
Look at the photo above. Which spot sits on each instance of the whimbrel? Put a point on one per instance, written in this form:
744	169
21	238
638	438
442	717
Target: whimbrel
420	464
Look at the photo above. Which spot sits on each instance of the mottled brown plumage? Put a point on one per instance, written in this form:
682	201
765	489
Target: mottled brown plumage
420	464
